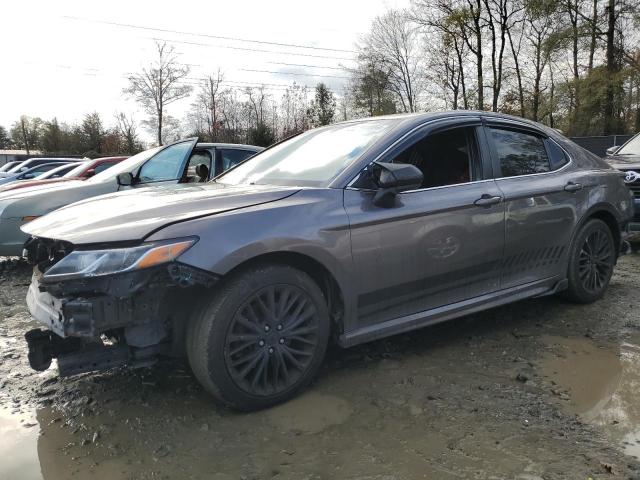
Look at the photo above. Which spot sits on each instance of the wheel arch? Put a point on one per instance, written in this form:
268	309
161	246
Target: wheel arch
607	215
318	272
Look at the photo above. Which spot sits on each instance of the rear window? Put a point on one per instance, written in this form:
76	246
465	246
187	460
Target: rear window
520	153
557	157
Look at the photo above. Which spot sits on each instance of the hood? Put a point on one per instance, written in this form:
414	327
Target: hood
134	214
37	189
42	199
624	162
32	183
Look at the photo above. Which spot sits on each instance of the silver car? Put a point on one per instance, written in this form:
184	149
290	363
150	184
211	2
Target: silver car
354	231
158	166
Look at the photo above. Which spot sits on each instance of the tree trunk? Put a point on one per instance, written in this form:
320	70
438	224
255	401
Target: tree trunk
594	34
518	74
25	135
160	126
609	120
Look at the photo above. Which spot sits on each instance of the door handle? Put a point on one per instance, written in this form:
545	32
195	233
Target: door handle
487	200
572	187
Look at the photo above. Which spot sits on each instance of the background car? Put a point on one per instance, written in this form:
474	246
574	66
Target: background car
184	162
10	165
33	172
80	171
357	230
627	159
32	162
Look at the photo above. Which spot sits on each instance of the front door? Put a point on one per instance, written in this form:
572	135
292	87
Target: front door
542	193
439	244
165	167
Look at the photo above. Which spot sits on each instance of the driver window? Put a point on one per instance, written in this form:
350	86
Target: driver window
197	158
166	165
445	158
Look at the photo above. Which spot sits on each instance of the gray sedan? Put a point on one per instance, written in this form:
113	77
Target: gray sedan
354	231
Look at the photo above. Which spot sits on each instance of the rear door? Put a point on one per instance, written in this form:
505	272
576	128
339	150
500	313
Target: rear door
541	193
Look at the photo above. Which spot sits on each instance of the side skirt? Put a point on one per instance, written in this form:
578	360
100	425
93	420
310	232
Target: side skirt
407	323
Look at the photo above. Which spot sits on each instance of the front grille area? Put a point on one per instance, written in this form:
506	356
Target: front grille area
45	252
634	187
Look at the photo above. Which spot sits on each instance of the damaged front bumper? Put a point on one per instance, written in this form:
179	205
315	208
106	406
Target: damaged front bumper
101	322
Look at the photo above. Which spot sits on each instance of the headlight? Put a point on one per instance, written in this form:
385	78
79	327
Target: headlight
94	263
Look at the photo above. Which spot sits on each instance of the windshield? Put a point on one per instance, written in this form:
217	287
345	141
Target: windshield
77	171
53	172
632	147
9	165
22	165
313	158
127	165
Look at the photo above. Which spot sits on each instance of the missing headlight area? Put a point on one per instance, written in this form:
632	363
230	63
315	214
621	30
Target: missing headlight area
138	310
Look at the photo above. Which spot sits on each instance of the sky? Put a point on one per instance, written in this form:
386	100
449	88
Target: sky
68	58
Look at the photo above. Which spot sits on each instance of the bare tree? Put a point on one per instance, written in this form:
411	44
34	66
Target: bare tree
209	100
258	103
159	85
293	106
502	15
26	132
393	43
127	129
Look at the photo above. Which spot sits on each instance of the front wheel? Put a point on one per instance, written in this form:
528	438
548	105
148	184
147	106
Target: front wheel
261	339
591	261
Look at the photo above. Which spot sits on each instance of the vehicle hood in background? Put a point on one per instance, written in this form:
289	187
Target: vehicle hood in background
624	162
134	214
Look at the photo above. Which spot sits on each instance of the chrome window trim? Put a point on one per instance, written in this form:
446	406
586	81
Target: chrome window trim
425	189
401	139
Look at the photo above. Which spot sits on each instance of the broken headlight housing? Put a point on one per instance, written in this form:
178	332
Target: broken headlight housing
95	263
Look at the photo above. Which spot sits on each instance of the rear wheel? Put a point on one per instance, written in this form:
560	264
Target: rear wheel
591	261
261	339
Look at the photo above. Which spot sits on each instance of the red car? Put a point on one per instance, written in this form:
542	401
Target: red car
83	171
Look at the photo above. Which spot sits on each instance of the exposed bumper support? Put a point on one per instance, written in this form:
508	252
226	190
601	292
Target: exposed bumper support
135	310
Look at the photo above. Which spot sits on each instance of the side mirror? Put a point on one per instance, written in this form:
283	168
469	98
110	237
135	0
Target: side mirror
90	173
27	176
393	178
202	171
125	179
612	150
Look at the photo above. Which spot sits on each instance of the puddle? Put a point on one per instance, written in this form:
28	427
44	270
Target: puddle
310	413
19	445
602	383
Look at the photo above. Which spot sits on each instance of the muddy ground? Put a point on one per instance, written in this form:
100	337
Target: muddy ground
540	389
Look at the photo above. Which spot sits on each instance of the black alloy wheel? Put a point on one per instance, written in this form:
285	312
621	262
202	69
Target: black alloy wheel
596	260
272	339
261	337
592	258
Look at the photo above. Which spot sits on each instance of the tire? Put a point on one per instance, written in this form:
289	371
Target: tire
261	338
591	261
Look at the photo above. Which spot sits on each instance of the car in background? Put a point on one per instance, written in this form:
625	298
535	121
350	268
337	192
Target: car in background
32	172
66	173
357	230
627	159
183	162
32	162
56	172
9	165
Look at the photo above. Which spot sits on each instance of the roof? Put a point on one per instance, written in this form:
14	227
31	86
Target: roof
230	145
419	117
19	152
